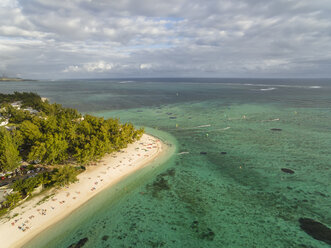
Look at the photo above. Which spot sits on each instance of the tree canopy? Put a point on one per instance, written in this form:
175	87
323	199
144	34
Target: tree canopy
54	134
9	154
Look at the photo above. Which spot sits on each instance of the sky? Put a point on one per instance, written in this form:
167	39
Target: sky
47	39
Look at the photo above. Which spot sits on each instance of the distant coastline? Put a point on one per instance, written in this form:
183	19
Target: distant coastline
9	79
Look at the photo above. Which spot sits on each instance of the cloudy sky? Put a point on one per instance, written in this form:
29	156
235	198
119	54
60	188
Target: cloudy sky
157	38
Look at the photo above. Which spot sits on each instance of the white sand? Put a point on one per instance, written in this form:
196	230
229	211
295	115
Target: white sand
34	218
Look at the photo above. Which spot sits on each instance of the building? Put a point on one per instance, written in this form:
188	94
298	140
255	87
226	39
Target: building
31	110
17	104
3	122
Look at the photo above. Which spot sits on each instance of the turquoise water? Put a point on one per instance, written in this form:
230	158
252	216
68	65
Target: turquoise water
237	199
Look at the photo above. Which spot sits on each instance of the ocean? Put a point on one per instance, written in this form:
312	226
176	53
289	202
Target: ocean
224	185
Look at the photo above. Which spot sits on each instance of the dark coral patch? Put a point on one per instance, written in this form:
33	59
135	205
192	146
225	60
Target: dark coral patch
161	183
105	237
203	233
207	235
79	244
286	170
316	229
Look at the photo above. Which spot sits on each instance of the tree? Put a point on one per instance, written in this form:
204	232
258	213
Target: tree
26	186
30	132
17	116
44	178
49	125
37	152
56	149
9	154
64	175
52	150
56	134
12	200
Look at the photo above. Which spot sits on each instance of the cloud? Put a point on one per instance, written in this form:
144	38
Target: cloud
145	66
100	66
8	4
73	68
71	38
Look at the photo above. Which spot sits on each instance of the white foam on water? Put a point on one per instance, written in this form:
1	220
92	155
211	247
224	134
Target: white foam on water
267	89
203	126
183	153
314	87
281	86
125	82
277	119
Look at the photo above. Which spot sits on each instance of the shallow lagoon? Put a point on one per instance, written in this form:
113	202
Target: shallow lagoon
237	199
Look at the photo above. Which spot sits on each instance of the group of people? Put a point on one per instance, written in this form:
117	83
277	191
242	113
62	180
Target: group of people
24	226
42	211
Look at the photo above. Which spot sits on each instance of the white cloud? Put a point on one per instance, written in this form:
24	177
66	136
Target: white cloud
73	68
99	66
8	4
18	32
145	66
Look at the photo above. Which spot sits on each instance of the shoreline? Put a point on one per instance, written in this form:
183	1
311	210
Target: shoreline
35	217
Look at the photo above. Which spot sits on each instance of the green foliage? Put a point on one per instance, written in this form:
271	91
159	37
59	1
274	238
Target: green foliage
3	211
29	99
30	132
9	154
56	134
64	175
37	152
26	186
45	178
12	200
17	116
56	149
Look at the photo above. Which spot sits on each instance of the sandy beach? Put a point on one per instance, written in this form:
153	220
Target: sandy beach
36	215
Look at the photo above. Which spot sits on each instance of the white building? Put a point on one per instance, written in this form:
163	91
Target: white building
17	104
79	119
31	110
3	122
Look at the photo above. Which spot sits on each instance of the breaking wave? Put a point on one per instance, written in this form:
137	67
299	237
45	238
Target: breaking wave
267	89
